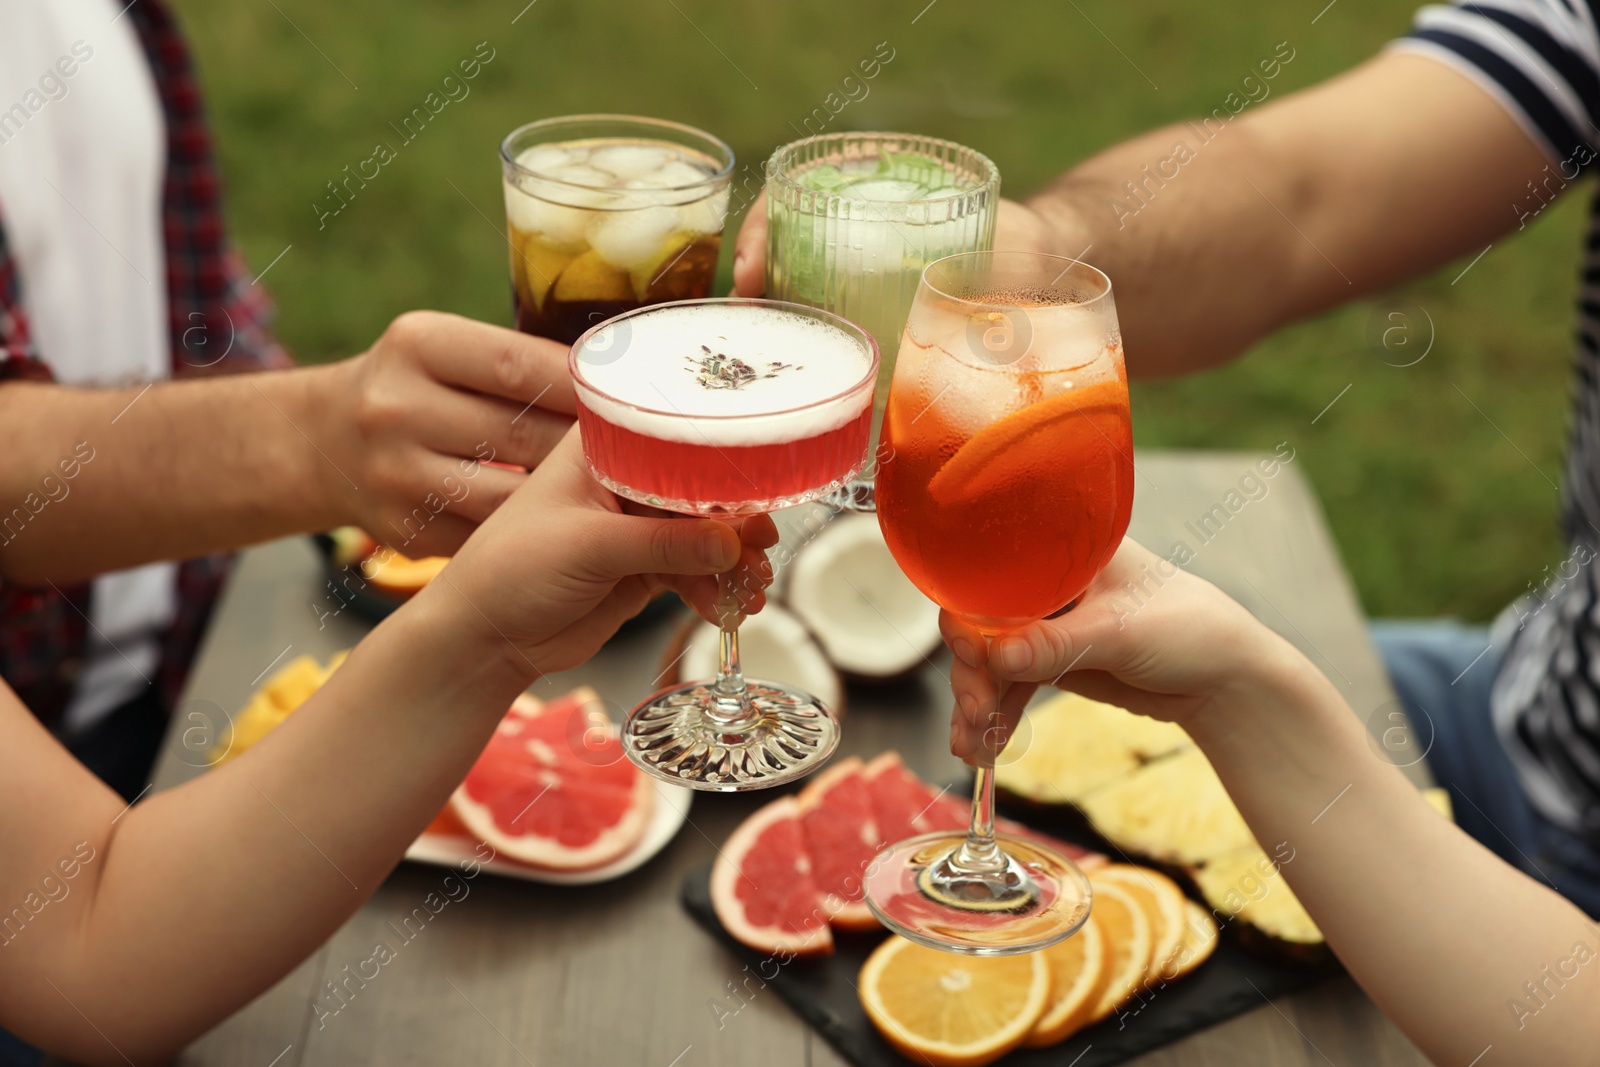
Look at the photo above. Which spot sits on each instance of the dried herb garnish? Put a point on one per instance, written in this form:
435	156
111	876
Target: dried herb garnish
714	370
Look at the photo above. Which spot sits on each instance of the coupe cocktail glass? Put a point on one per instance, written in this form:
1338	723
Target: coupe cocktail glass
606	213
726	408
1006	486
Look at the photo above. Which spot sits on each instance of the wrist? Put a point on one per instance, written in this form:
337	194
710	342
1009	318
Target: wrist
1269	680
320	469
442	623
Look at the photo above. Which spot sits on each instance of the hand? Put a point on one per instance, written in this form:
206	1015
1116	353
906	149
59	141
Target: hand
408	426
1176	649
549	577
1017	228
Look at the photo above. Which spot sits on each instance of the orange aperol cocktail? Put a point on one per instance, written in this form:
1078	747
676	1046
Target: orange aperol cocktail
1005	484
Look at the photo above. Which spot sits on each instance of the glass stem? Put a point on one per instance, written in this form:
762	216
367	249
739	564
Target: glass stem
980	851
730	707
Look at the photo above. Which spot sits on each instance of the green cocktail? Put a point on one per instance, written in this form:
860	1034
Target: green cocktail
852	218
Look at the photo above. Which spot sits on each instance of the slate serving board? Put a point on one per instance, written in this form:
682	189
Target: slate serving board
823	991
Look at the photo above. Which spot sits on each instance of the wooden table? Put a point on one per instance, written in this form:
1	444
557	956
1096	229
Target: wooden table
519	974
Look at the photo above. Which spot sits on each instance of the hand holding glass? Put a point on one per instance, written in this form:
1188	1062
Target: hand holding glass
1006	486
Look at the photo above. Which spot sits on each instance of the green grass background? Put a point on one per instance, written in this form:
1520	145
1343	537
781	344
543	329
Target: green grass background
1435	511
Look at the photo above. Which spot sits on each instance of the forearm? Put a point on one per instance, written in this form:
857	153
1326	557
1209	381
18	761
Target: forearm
1439	932
208	893
95	480
1215	234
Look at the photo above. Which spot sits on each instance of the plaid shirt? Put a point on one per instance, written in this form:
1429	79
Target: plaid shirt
210	301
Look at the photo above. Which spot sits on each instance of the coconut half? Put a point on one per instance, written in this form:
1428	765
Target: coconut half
774	646
871	621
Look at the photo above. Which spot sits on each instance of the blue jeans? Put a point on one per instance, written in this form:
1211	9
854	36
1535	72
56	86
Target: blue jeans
1431	665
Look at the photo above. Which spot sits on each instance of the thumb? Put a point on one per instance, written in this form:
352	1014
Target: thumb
622	545
750	251
1043	652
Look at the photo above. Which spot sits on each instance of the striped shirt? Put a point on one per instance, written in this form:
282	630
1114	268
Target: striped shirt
1541	60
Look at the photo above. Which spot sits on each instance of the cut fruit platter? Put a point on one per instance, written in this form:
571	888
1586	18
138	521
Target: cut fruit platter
551	798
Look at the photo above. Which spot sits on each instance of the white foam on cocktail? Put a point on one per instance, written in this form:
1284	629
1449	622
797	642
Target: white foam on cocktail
611	195
653	360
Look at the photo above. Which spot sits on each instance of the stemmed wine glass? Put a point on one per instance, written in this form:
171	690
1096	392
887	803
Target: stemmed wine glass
726	408
1006	486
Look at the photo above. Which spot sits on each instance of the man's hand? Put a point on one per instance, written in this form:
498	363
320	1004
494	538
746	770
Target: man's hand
408	426
1016	229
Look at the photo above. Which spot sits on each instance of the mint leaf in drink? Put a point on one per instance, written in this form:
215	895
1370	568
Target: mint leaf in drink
913	167
824	179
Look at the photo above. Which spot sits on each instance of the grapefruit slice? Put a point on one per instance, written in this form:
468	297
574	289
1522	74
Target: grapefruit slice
904	806
762	889
539	798
949	1010
901	803
1089	417
841	837
1075	968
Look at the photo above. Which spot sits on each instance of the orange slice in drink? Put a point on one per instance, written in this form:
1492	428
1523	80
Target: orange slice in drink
999	453
1126	929
1162	902
947	1010
1076	965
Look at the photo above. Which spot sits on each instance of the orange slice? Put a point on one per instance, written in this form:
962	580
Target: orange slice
1076	965
1199	941
948	1010
400	575
1126	928
994	454
1162	902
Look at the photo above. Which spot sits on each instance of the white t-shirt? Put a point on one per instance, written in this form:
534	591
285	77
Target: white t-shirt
82	158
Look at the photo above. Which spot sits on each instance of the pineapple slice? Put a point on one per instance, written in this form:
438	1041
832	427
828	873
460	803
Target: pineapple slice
1173	810
1070	744
1247	885
1440	799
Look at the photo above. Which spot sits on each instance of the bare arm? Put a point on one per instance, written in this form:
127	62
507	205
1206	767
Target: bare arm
1438	930
1286	210
181	909
98	479
1340	190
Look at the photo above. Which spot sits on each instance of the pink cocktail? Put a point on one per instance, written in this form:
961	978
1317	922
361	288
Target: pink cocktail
726	407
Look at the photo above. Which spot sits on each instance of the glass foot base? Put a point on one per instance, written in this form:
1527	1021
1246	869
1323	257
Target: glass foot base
672	736
853	496
1037	899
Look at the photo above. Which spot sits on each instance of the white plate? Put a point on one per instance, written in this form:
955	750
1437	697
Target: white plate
666	819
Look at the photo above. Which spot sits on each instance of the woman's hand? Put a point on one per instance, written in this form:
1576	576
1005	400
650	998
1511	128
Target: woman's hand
549	577
1145	636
